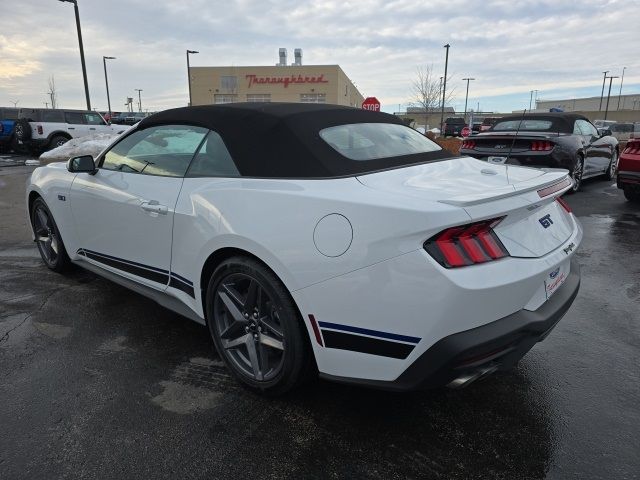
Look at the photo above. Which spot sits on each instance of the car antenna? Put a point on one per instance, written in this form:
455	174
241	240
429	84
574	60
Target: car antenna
513	143
516	135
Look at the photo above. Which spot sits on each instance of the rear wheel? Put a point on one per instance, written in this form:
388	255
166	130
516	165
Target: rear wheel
613	165
632	194
256	327
576	174
48	237
58	141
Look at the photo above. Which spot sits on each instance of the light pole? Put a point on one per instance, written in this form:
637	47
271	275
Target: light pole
84	68
139	98
467	95
189	72
608	95
602	94
620	94
106	81
531	97
444	85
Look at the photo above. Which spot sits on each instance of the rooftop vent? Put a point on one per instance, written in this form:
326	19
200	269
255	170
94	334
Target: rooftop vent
297	53
283	57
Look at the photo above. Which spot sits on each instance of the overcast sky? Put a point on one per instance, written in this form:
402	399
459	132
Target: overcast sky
559	47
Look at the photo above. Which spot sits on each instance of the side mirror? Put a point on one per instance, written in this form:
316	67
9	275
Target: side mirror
604	132
82	164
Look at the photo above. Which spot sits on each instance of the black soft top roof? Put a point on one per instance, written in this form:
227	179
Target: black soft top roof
562	122
282	139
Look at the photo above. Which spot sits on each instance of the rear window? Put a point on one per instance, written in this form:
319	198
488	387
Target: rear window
527	124
621	127
8	114
369	141
454	120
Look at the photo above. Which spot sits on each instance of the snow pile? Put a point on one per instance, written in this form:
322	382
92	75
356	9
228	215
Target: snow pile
89	145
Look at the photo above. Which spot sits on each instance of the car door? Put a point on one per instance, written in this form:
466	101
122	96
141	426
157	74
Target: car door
124	213
76	124
96	124
598	151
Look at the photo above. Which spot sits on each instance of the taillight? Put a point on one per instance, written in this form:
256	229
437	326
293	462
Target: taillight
564	204
469	144
632	148
467	244
541	146
39	128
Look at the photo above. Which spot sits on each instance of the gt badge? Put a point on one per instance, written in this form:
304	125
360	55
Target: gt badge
546	221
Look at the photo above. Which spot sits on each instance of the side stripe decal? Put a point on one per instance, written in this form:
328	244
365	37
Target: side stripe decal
145	271
364	340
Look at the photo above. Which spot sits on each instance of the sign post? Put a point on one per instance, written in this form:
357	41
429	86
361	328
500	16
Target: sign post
372	104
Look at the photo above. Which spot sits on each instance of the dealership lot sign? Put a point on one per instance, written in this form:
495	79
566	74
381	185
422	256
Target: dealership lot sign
254	79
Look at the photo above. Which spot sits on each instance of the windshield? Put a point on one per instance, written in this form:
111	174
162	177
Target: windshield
368	141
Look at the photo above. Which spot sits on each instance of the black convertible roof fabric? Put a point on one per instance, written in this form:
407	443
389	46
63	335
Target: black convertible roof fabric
281	140
562	122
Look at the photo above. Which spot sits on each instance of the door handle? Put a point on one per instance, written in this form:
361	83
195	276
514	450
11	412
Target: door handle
71	128
155	207
91	128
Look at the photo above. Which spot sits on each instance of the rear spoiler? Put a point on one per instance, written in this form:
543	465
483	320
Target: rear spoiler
557	182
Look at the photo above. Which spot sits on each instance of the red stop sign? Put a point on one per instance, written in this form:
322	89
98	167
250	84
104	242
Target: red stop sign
465	131
371	103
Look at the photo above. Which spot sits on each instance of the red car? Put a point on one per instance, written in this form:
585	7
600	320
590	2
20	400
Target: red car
629	170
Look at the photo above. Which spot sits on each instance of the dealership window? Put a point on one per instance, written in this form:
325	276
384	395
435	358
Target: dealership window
229	82
313	98
259	97
224	98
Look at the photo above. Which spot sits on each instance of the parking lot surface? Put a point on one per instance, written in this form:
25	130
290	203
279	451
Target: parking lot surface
99	382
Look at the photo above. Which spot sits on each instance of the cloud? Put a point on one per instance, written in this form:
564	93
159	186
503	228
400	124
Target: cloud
509	47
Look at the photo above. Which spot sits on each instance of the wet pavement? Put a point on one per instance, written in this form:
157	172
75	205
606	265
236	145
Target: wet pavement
96	381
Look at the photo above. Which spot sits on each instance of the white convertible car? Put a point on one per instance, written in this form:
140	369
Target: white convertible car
320	239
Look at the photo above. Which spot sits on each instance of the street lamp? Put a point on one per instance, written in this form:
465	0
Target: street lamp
84	68
467	96
189	73
608	95
106	81
602	94
444	85
531	97
139	98
620	94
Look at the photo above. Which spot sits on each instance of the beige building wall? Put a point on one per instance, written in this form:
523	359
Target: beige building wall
304	83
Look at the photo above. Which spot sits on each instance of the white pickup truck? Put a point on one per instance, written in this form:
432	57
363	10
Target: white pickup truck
42	129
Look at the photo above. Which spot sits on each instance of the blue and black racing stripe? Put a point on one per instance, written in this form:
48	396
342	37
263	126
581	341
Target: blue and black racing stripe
145	271
364	340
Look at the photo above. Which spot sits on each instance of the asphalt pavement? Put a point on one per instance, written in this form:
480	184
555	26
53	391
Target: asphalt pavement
99	382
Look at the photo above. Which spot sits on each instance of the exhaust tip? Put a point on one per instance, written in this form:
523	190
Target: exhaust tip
470	377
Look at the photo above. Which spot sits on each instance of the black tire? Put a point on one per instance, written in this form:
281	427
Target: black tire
50	244
260	336
610	174
632	194
22	130
576	174
57	141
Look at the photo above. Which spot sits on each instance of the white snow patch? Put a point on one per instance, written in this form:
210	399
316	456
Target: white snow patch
88	145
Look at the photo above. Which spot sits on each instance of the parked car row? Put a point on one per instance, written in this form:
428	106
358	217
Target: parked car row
41	129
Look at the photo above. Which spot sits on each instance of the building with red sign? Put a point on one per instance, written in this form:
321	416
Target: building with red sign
279	83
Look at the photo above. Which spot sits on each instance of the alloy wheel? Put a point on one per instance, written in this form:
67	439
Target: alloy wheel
248	324
48	242
576	175
613	165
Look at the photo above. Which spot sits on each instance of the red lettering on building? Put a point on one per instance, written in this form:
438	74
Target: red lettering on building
286	81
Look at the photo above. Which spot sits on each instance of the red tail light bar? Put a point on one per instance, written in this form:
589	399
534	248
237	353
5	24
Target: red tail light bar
564	204
468	144
541	146
467	244
556	187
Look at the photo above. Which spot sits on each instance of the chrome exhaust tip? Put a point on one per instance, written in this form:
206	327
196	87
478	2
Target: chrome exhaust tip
470	377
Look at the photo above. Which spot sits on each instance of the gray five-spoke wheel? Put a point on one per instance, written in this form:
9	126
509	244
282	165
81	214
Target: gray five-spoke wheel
45	231
247	321
576	175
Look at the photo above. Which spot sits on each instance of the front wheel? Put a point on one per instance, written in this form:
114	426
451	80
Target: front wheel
256	327
613	165
576	174
48	237
58	141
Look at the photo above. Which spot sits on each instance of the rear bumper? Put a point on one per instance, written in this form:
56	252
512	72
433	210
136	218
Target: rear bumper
498	345
628	178
555	159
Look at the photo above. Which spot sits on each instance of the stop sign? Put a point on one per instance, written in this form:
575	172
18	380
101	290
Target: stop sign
371	103
465	131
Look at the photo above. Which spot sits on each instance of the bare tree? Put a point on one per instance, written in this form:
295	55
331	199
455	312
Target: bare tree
427	91
53	94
